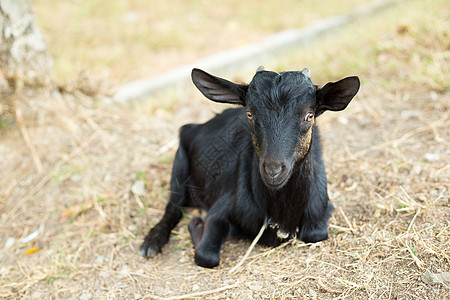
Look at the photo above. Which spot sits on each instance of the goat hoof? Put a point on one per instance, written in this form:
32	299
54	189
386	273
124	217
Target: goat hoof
207	260
148	250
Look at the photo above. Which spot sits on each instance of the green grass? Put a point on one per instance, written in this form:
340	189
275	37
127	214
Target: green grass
3	124
128	39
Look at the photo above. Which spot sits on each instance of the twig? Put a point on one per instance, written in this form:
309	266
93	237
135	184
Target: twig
347	221
296	283
415	258
138	201
326	288
412	221
100	210
197	294
417	261
341	228
272	250
406	194
167	146
443	230
26	137
261	231
329	264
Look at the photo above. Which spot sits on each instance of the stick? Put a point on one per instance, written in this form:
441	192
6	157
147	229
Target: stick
26	137
167	146
414	257
197	294
346	220
18	85
261	231
412	221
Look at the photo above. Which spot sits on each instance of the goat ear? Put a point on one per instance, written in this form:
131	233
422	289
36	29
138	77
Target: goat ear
218	89
336	96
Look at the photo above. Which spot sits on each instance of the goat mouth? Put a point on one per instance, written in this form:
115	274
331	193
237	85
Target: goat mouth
276	184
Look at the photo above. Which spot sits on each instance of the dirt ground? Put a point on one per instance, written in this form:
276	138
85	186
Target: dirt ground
73	230
391	224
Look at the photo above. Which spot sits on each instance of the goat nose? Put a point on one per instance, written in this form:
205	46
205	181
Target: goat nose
273	168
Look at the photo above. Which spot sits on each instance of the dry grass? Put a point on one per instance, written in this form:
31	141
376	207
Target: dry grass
73	231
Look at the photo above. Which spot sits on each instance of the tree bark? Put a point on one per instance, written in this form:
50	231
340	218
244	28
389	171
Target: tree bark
23	51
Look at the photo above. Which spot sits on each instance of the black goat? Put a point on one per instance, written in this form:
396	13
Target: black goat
260	163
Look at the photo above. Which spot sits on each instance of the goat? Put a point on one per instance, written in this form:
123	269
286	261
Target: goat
255	164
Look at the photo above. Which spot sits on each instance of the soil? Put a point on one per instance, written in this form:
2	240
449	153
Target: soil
74	230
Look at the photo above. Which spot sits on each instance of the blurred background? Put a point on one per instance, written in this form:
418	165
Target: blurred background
126	40
107	44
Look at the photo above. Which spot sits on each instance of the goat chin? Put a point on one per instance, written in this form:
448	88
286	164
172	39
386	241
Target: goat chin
278	183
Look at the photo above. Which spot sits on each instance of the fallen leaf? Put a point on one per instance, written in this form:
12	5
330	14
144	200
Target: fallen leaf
31	250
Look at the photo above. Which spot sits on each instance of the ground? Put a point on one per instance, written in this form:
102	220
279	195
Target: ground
73	230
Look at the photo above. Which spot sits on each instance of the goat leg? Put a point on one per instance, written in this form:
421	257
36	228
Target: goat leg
159	235
208	238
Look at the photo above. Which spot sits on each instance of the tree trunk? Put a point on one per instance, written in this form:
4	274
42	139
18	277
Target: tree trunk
23	51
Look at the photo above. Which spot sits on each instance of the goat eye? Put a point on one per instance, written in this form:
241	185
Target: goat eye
309	116
249	115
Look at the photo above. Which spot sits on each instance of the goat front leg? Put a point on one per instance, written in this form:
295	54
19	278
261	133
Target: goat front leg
316	230
159	235
208	238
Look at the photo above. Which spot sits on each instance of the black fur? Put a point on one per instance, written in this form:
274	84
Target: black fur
251	164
